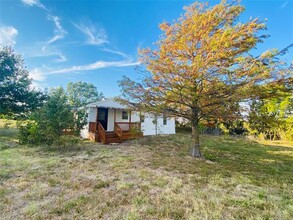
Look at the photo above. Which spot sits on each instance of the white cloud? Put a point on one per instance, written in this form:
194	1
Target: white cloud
59	31
52	51
30	2
34	3
95	35
7	35
61	58
96	65
37	75
45	51
54	38
117	52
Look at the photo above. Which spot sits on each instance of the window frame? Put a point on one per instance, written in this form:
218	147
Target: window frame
164	119
123	114
141	118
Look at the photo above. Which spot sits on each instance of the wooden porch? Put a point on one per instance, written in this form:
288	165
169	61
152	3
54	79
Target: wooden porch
122	131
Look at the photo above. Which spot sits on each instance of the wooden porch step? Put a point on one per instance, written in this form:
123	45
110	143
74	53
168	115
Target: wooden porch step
113	140
111	135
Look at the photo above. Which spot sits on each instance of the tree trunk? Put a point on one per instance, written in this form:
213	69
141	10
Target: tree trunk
195	152
195	142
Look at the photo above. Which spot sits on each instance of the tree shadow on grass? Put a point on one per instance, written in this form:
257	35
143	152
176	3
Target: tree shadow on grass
8	134
8	138
224	156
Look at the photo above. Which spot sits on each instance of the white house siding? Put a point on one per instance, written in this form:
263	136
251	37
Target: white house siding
119	116
92	114
110	125
91	118
135	117
84	133
111	115
148	127
168	128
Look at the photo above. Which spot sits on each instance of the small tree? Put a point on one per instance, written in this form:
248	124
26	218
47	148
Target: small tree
272	118
16	95
49	122
202	67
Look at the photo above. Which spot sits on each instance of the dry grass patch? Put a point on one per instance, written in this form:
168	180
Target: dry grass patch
150	178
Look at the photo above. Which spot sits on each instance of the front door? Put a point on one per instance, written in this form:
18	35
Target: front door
103	117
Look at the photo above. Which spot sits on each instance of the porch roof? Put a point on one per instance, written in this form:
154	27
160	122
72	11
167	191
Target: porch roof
108	103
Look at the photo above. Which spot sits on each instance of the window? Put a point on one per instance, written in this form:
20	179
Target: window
164	119
125	115
141	118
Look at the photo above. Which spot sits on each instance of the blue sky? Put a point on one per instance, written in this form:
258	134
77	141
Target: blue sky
97	41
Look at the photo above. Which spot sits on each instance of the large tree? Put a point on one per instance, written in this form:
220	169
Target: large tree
82	93
79	94
16	95
202	67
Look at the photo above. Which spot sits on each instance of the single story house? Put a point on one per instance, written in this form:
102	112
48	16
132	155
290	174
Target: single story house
111	122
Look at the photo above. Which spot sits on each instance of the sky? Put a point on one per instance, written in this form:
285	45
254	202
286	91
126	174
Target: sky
97	41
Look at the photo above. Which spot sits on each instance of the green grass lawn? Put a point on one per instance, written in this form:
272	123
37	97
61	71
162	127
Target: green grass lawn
150	178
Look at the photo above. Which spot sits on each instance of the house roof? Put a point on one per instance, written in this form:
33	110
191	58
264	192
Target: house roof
108	103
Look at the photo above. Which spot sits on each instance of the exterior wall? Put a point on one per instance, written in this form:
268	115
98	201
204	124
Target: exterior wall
84	133
119	116
111	115
169	128
148	127
92	114
110	124
135	117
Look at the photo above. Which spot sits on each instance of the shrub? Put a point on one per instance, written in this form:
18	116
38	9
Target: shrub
48	123
224	129
272	118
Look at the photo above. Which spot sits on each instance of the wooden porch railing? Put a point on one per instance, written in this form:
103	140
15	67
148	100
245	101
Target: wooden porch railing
127	126
118	130
102	133
92	127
